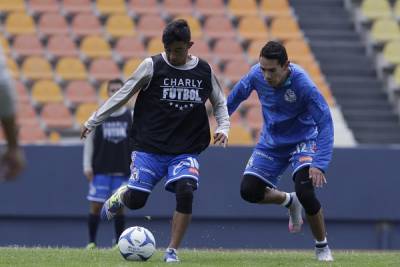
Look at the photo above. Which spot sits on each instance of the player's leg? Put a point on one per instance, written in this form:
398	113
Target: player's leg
99	189
146	170
119	219
306	194
183	176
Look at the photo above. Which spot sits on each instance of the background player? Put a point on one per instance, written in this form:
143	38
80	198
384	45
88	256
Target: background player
170	127
106	163
297	129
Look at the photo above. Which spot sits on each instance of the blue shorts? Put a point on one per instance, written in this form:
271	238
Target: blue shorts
103	186
268	165
147	169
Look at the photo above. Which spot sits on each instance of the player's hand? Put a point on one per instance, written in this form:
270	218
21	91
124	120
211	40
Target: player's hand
89	175
12	162
85	132
317	177
220	139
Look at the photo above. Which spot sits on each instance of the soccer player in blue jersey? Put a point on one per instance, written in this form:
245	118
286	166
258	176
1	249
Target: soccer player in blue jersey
106	160
297	130
170	127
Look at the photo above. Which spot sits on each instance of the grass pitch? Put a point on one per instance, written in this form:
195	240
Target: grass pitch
43	257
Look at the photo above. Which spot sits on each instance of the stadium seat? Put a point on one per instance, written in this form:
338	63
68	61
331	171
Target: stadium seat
201	49
84	111
56	115
240	8
78	92
254	49
86	24
26	115
95	47
35	68
299	50
130	66
120	25
128	47
46	91
251	101
12	68
32	135
155	46
210	7
19	23
40	6
275	8
228	49
396	9
70	68
234	70
150	25
174	7
5	46
27	45
77	6
285	28
12	6
396	76
52	23
253	27
240	136
61	46
218	27
22	93
391	52
102	69
144	6
105	7
103	95
384	30
194	24
372	9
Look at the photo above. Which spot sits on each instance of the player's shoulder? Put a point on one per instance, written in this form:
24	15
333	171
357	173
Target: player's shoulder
299	76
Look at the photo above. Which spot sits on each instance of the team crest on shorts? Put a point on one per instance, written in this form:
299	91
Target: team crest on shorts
135	174
290	96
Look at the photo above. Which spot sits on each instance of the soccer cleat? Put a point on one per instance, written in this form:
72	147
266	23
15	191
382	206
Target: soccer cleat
91	245
295	218
171	255
323	254
113	204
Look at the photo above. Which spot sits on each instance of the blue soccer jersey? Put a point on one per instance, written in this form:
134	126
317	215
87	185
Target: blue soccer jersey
294	113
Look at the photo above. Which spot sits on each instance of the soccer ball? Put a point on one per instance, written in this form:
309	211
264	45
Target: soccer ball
136	244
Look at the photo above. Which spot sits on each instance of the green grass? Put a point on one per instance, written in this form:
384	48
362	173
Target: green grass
16	256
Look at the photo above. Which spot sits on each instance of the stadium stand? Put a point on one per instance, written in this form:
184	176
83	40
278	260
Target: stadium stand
88	42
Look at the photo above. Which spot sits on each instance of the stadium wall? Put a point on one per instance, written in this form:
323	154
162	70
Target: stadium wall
47	205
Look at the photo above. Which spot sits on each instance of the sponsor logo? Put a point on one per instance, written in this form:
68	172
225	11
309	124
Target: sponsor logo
181	93
135	174
305	159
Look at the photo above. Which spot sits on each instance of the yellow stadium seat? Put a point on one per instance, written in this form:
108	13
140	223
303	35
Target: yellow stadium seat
12	68
384	30
253	27
36	68
373	9
4	45
253	51
155	46
46	91
396	9
84	111
275	8
70	68
242	7
298	50
130	66
285	28
111	6
194	24
19	23
95	47
103	91
239	136
120	25
12	6
391	52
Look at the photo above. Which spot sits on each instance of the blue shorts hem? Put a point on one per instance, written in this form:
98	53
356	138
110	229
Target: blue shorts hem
261	177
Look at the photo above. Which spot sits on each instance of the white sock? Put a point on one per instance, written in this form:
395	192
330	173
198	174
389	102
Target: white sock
323	242
287	200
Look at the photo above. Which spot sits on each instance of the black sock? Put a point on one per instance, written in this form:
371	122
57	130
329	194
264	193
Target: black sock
93	224
119	224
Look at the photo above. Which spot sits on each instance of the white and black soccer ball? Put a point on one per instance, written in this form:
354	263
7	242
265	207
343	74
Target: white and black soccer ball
136	244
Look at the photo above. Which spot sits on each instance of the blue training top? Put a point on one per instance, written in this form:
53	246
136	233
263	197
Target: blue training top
294	113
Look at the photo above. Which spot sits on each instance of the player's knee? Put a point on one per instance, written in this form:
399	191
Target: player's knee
135	199
305	192
252	189
184	195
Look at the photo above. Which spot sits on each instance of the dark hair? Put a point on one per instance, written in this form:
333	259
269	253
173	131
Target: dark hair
177	30
274	50
114	81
